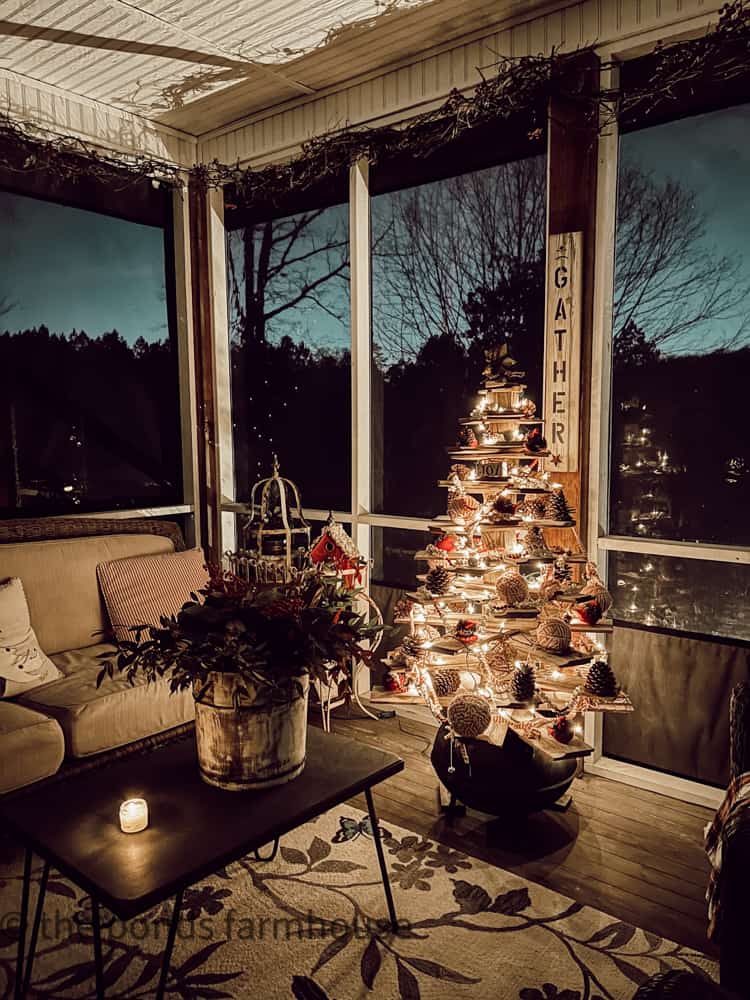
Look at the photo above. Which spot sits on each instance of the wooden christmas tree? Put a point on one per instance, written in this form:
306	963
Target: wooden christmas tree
491	565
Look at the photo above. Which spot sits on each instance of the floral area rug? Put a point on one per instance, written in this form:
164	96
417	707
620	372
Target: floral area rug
311	925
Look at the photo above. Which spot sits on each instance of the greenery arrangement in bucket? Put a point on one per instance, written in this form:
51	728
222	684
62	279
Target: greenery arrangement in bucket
248	652
268	636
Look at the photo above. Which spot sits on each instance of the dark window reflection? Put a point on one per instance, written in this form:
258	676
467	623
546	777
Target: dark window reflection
457	266
690	595
392	551
680	443
291	353
88	368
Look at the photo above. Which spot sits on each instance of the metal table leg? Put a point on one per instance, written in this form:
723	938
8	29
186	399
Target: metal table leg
96	927
23	917
274	850
381	859
169	946
35	928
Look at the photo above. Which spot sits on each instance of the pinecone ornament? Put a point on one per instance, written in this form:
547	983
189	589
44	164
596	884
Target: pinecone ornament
402	607
462	508
533	542
556	507
503	508
438	581
512	588
553	634
469	715
523	684
460	472
601	681
411	645
533	507
446	682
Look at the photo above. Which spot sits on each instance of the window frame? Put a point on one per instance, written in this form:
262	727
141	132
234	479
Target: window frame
599	538
180	310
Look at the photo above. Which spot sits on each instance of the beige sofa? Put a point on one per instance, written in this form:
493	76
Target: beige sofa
70	717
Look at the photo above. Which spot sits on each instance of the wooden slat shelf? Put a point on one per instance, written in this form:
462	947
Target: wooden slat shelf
489	485
511	416
444	524
501	451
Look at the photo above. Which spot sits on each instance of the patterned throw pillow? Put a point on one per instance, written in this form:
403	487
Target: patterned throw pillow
140	589
23	665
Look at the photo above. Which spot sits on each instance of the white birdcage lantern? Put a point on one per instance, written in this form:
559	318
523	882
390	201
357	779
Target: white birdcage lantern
275	526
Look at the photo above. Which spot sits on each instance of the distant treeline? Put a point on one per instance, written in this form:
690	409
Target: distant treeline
92	413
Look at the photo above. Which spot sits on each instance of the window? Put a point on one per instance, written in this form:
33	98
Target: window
679	461
691	595
393	551
681	337
88	361
291	351
457	266
680	454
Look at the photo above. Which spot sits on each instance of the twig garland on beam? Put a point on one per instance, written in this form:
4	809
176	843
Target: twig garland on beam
26	147
719	56
520	85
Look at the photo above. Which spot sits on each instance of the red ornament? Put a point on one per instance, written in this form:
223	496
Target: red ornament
466	631
445	544
561	729
589	611
395	681
535	440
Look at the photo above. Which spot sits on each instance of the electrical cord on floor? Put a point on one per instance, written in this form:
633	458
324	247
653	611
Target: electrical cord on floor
416	736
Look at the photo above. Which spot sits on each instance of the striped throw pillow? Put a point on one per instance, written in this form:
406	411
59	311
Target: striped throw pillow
140	589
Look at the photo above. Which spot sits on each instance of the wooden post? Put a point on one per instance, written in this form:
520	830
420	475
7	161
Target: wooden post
208	513
571	164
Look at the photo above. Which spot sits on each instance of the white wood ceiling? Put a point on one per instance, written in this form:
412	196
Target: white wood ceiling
200	64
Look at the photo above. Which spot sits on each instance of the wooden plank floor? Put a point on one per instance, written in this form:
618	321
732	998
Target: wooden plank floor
626	851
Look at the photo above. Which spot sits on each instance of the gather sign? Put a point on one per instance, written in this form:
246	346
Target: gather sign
562	348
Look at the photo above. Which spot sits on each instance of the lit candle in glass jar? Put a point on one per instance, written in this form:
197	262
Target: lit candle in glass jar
133	815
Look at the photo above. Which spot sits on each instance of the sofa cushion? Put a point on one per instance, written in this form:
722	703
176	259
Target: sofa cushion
139	590
23	665
73	659
31	746
96	719
59	578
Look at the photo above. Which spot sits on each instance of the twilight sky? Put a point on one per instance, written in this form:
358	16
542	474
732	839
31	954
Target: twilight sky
709	154
72	269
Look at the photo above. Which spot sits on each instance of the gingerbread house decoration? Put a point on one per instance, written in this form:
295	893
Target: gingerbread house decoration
336	550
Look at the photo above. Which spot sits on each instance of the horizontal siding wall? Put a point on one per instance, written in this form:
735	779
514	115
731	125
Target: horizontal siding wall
99	124
425	82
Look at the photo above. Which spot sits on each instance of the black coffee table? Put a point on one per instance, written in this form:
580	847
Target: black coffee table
194	829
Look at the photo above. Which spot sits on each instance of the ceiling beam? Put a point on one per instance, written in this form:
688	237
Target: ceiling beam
196	39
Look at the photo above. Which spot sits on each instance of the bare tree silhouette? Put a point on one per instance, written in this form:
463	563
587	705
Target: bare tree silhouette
279	264
669	282
437	245
6	305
